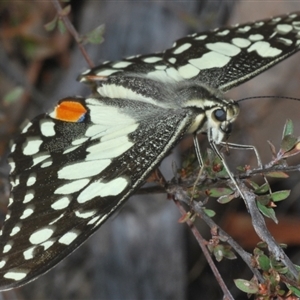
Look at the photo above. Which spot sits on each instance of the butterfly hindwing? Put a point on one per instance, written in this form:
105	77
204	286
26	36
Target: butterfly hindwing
69	176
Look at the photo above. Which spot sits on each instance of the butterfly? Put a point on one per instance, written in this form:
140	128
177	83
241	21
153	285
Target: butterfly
73	167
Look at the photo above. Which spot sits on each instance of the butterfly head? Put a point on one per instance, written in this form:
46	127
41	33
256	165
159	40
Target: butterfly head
214	114
220	119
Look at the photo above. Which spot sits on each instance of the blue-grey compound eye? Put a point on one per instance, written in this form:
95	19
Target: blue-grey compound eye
220	115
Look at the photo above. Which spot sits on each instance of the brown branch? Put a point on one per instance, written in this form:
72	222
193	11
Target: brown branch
72	31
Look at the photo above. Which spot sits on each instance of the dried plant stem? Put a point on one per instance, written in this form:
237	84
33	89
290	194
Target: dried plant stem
72	31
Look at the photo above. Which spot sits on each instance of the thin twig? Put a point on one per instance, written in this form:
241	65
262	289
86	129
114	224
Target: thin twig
72	31
202	243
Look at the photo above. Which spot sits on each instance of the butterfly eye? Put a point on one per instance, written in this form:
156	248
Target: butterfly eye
220	115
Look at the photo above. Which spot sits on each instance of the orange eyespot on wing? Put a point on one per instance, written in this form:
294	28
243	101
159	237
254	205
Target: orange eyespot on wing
69	111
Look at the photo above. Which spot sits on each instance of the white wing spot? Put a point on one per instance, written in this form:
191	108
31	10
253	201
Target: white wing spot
69	237
27	212
15	230
47	244
25	129
13	148
72	187
70	149
152	59
28	254
258	24
182	48
293	16
172	60
243	29
108	149
100	189
241	42
10	201
61	203
29	196
7	216
85	214
188	71
107	72
174	74
223	33
79	141
31	179
32	146
16	274
100	221
256	37
284	41
296	25
56	219
41	235
224	48
122	64
276	20
118	91
47	163
12	165
102	114
7	247
47	127
264	49
94	220
83	169
210	60
39	158
162	67
200	37
2	263
284	28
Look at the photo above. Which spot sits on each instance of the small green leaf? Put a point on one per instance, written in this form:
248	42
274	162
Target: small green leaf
61	26
218	192
262	189
225	199
295	290
253	184
262	245
51	25
95	36
228	253
277	174
264	262
288	143
218	252
288	128
210	213
246	286
280	195
268	212
65	11
13	95
264	200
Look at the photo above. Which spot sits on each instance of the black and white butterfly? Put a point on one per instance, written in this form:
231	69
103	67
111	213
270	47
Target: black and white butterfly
73	167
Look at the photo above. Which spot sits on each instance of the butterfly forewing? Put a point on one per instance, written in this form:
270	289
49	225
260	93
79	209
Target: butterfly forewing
222	58
72	168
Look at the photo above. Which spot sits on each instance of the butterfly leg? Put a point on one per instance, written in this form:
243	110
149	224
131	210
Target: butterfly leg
252	148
